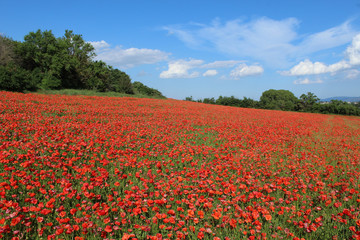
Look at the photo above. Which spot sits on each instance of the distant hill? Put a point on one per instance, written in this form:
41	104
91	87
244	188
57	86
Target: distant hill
345	99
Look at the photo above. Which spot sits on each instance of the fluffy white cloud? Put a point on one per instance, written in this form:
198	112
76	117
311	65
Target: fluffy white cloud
307	67
221	64
180	69
244	70
276	42
187	69
307	81
98	45
353	51
210	73
127	58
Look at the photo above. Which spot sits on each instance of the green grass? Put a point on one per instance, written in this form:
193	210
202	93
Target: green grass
84	92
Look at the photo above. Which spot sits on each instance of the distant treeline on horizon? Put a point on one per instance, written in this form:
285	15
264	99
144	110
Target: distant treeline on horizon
287	101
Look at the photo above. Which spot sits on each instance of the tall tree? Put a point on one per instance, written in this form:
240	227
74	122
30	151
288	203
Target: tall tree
307	101
77	57
40	51
63	62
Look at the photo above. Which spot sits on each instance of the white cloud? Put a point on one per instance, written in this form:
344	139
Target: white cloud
307	81
244	70
98	45
307	67
339	66
221	64
180	69
187	69
276	42
353	51
210	73
127	58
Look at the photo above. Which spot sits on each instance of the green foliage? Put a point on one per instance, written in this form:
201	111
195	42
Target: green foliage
307	102
189	99
63	61
145	90
249	103
77	65
228	101
209	100
15	78
120	82
39	50
50	81
285	100
338	107
8	79
279	100
99	77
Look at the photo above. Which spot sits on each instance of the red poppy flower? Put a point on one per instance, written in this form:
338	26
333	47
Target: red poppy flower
108	229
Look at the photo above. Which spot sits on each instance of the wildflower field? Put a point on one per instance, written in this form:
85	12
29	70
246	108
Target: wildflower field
81	167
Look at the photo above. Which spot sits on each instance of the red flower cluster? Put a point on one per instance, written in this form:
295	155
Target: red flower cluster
123	168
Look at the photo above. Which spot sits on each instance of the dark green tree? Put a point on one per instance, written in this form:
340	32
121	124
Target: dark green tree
15	78
120	81
248	103
279	100
77	57
209	100
63	62
190	99
145	90
40	50
228	101
308	101
99	74
12	76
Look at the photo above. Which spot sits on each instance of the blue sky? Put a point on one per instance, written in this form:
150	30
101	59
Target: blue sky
211	48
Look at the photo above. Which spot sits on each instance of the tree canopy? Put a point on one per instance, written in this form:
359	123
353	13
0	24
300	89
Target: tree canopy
308	101
279	100
145	90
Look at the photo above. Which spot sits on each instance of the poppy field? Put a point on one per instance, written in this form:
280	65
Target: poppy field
82	167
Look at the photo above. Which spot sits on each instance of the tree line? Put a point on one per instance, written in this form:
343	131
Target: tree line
43	61
287	101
